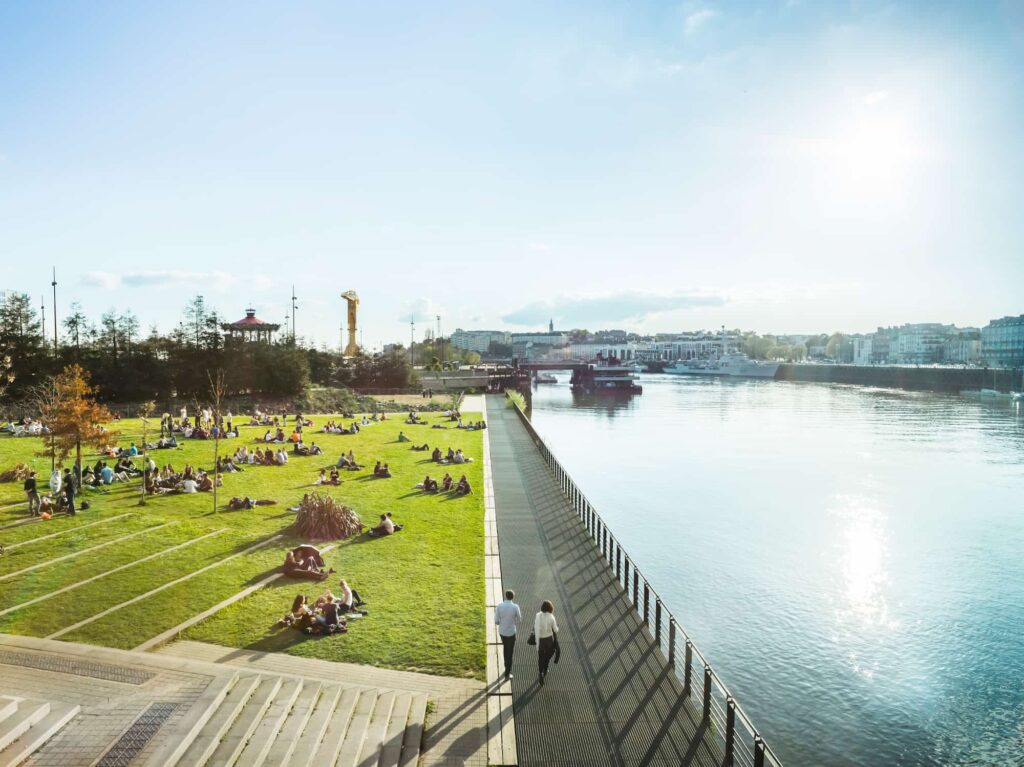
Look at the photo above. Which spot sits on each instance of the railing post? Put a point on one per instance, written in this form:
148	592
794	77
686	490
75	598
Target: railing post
657	621
618	565
758	751
647	602
604	542
730	731
636	586
707	691
688	671
672	642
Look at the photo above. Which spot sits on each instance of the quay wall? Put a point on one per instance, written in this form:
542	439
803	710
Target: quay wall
950	380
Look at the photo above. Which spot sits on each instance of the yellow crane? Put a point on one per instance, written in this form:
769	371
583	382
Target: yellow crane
352	348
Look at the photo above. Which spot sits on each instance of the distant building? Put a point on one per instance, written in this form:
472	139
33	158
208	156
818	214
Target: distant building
922	343
863	348
1002	342
250	328
479	340
531	346
964	347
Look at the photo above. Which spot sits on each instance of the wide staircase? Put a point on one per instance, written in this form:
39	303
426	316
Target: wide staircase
27	724
257	719
114	708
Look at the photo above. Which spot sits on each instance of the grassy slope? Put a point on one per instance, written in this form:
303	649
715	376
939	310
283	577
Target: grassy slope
424	586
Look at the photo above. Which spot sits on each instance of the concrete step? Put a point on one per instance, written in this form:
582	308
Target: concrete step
414	727
309	740
242	728
353	745
194	721
206	742
38	734
374	741
394	733
8	705
288	736
329	747
258	747
17	724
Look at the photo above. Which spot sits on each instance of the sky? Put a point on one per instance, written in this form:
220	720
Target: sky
792	166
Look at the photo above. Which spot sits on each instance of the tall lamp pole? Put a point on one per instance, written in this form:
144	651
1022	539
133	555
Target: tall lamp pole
54	284
440	340
294	307
412	341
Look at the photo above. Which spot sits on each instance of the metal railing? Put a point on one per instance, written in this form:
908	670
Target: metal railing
726	722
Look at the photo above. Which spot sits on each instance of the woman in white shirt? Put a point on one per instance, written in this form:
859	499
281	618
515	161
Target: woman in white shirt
545	628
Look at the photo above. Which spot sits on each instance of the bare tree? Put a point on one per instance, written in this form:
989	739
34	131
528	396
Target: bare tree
217	397
145	411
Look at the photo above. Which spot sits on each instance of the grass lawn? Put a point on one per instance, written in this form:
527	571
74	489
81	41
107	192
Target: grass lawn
424	586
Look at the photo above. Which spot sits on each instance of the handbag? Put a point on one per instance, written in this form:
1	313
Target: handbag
532	640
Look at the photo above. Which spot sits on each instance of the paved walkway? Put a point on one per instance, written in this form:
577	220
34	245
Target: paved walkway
612	699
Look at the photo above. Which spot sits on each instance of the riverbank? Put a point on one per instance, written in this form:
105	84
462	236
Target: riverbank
938	379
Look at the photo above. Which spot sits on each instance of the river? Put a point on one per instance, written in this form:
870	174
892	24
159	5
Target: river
850	560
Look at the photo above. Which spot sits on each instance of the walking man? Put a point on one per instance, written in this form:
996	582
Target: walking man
32	493
507	616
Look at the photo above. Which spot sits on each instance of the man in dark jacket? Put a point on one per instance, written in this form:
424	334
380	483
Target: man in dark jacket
32	493
69	491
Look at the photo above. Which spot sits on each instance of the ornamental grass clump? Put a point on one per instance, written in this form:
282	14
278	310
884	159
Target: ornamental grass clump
19	473
321	518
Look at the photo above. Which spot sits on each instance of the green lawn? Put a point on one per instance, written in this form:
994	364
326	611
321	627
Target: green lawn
424	586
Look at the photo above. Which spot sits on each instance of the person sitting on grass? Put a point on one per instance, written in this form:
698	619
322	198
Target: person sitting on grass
436	455
382	471
428	485
349	600
300	617
463	487
322	479
402	437
189	485
314	449
300	449
282	457
385	527
446	483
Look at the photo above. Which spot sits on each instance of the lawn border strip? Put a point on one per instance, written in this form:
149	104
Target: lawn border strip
172	633
31	520
86	551
146	558
67	530
140	597
501	722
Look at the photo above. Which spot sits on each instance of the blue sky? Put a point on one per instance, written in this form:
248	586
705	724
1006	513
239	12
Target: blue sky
781	166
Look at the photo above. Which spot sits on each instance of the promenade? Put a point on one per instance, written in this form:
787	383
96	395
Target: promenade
612	699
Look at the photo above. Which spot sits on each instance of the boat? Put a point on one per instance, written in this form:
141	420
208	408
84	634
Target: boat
545	378
729	365
605	377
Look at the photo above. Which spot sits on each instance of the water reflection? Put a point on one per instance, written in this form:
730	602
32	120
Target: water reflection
862	559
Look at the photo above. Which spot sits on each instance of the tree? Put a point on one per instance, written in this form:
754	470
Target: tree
6	373
73	416
472	358
145	411
21	338
217	396
77	325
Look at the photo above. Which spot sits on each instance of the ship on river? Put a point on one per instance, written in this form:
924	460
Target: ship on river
605	377
729	365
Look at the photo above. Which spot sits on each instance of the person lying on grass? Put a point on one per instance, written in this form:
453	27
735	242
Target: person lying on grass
420	448
239	504
385	527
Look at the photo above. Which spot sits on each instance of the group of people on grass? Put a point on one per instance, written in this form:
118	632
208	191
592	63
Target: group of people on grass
452	456
189	480
461	487
329	614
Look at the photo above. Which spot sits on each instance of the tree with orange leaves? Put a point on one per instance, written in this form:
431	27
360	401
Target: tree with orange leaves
72	415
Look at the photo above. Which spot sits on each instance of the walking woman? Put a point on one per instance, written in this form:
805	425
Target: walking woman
545	628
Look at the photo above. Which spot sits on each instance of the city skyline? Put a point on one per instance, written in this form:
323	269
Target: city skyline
787	166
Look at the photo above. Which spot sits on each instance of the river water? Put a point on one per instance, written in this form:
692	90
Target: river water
850	560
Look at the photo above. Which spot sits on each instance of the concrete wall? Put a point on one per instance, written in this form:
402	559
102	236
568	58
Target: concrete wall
924	378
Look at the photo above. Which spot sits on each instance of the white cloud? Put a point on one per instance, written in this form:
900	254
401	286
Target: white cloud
216	280
423	312
697	19
624	306
875	97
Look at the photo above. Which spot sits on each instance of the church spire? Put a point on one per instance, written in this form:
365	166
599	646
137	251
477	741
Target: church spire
551	325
